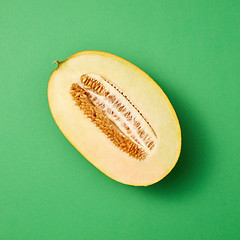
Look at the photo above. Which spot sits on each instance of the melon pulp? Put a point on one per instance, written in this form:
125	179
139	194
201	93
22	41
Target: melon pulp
116	116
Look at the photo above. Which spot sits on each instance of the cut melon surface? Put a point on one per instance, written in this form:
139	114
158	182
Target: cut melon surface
116	116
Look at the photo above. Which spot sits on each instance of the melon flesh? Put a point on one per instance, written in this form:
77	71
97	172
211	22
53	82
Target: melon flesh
92	143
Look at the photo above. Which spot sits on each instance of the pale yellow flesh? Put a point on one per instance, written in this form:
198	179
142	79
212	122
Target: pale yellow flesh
143	92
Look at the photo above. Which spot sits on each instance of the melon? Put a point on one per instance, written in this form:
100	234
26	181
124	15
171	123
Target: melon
116	116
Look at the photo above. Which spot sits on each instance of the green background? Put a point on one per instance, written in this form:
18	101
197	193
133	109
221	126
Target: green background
49	191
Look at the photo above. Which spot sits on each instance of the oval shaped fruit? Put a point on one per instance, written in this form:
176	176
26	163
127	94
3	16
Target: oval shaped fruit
116	116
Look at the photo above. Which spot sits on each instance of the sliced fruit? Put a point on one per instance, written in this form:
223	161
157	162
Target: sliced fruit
116	116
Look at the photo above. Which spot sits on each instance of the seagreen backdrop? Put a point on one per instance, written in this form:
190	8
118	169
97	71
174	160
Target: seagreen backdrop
49	191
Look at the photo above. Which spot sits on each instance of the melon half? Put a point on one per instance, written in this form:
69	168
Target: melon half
116	116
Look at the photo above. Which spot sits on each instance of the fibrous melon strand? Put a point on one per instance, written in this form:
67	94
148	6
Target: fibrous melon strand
83	99
121	110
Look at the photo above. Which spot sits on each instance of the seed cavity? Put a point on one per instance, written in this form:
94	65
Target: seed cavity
114	114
